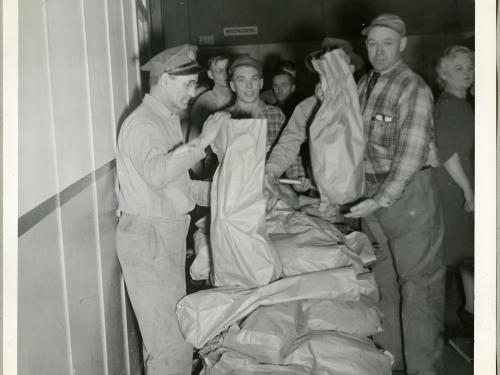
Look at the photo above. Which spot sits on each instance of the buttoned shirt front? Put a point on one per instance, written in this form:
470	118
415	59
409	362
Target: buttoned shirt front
399	129
153	162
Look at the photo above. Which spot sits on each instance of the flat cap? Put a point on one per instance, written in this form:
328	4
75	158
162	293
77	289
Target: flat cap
246	61
180	60
392	21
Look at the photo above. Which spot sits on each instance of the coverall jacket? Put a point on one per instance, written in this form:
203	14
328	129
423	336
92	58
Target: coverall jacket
155	197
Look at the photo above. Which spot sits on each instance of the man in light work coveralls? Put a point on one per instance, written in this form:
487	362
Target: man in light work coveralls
155	197
402	211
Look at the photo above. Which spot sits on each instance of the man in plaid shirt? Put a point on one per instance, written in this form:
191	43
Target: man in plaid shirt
246	81
401	211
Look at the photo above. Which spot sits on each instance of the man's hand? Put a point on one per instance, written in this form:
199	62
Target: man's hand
363	209
270	190
212	126
318	92
305	184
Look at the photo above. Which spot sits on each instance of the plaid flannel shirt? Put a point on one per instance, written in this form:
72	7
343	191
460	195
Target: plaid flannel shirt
399	130
275	124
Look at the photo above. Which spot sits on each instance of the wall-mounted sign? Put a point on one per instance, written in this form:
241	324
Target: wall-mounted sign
241	30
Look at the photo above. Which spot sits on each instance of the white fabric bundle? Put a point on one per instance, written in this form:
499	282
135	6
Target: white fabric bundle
205	314
336	136
241	250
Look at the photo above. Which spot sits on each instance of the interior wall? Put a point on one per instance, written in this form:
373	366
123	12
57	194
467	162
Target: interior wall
292	28
78	77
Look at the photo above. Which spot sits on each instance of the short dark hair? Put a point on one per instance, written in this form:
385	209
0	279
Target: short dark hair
283	72
212	60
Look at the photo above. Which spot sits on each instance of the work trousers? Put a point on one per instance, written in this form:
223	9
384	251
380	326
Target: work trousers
411	274
152	256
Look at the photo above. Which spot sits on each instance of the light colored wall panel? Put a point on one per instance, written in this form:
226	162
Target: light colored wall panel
104	138
79	238
132	49
118	59
70	90
42	329
36	153
111	274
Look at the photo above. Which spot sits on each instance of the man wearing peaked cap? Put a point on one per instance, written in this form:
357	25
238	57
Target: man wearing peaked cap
156	194
179	60
391	21
402	210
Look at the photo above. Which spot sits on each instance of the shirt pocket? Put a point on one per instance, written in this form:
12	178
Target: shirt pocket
383	129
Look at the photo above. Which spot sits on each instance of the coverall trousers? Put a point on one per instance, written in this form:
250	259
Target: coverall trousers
152	255
411	276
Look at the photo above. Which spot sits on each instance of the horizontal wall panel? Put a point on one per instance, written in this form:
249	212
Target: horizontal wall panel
79	238
70	90
100	81
111	278
42	337
36	146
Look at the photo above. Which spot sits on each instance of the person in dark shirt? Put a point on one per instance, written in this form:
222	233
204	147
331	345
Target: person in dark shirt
454	123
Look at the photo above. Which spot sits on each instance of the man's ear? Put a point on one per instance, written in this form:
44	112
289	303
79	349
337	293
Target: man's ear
402	44
293	88
164	79
261	84
210	75
231	84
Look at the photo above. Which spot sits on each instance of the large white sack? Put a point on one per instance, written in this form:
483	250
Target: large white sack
266	333
335	353
200	268
202	315
306	244
298	256
242	253
234	363
316	353
336	139
294	222
359	318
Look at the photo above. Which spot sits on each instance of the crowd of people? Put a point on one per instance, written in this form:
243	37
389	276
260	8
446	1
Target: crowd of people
408	136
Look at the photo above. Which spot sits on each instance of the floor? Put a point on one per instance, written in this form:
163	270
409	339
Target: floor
455	364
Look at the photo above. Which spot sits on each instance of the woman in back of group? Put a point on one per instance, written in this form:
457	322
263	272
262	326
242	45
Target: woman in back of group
454	124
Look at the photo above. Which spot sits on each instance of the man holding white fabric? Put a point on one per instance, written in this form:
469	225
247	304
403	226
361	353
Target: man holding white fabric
401	210
246	81
296	131
155	197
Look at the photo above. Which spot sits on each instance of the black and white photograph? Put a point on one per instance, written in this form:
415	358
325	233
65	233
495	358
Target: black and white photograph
236	187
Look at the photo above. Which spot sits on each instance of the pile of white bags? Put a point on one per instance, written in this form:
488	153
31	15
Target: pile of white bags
315	319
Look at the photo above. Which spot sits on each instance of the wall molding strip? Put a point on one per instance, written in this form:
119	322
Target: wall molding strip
37	214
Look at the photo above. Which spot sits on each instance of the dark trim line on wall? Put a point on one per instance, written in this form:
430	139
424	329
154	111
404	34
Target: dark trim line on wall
37	214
